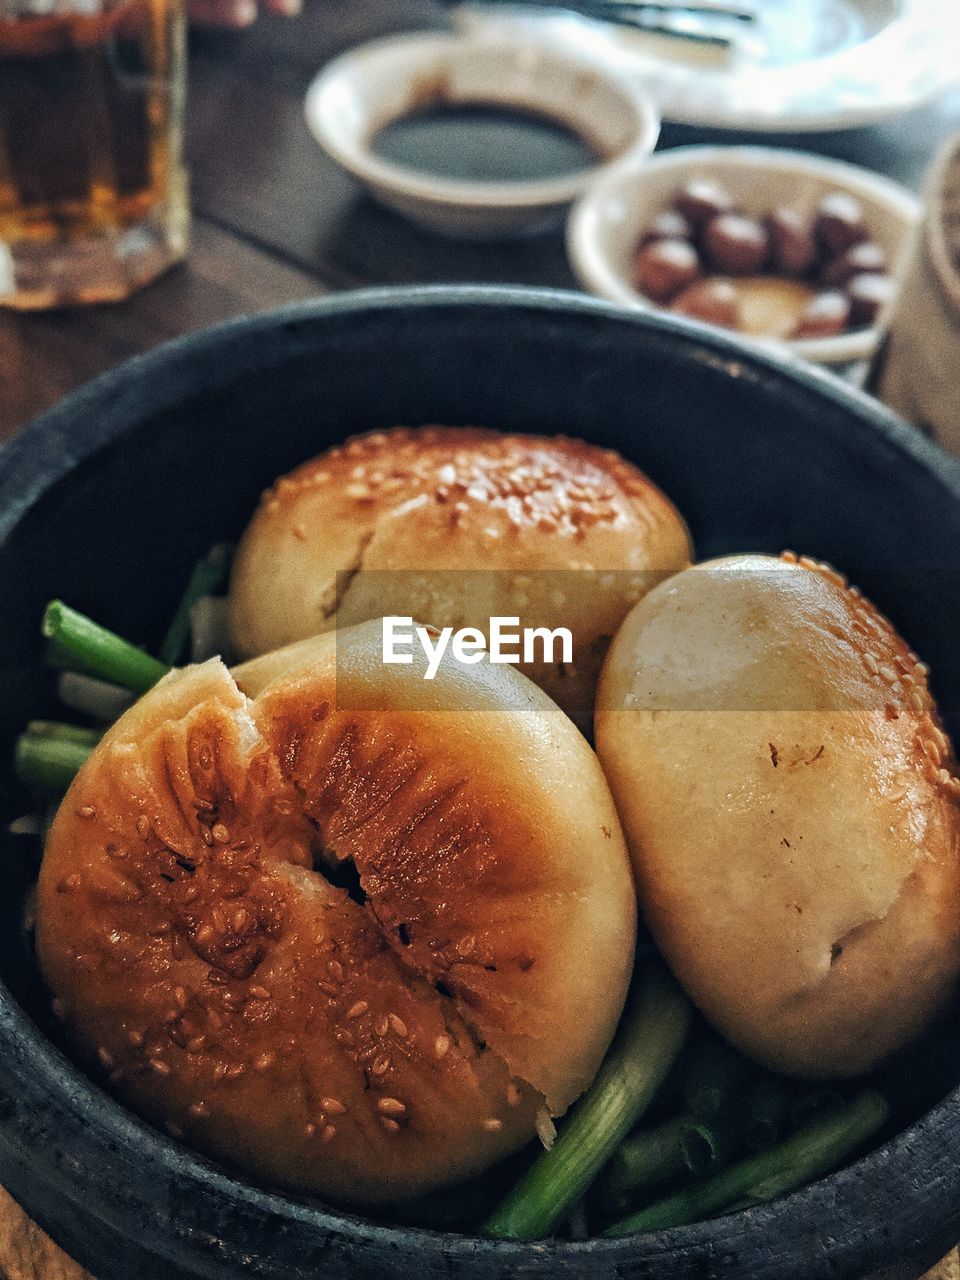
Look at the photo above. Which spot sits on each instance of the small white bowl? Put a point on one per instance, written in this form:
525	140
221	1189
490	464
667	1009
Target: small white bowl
369	87
606	224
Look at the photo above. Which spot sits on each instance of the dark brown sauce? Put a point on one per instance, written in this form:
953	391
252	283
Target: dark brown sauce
484	143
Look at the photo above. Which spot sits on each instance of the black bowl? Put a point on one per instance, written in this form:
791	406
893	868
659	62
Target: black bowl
110	496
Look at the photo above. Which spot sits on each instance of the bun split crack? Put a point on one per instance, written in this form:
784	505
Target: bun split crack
331	927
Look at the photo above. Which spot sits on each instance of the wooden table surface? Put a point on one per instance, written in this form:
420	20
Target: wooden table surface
276	221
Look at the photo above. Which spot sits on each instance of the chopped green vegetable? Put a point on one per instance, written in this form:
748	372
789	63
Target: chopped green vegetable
643	1160
714	1073
63	732
209	575
767	1113
651	1035
80	644
807	1155
708	1145
48	765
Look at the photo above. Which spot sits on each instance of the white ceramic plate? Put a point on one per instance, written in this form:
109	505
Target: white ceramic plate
605	225
809	65
363	90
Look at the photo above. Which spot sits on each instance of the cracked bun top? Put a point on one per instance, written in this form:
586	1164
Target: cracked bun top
791	804
334	928
451	526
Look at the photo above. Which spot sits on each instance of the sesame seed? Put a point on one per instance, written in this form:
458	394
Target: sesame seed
391	1107
196	1043
207	838
205	933
180	995
191	892
159	1066
441	1045
106	1057
205	758
220	833
513	1095
174	1130
329	989
265	1061
259	993
234	1071
945	776
143	826
887	673
915	701
198	1109
466	945
335	969
135	1037
310	1129
358	1009
492	1125
398	1025
872	665
329	1133
380	1064
390	1125
86	811
241	918
333	1107
383	1026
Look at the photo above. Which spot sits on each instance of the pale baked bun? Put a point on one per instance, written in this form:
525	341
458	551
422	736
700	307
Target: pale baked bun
361	1050
791	804
425	513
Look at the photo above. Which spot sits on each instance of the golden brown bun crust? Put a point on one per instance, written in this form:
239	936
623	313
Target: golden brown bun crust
791	804
362	1051
450	498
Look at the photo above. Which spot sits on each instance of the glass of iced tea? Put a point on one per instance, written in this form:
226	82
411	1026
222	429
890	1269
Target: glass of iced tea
93	195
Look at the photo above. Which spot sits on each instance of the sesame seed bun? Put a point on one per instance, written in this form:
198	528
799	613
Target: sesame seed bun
345	933
791	804
454	526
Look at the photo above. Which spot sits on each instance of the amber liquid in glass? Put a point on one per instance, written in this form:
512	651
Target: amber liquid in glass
92	191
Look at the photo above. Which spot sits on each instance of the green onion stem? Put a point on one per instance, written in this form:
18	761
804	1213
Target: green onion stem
209	575
767	1114
80	644
48	765
651	1035
807	1155
643	1160
714	1073
708	1145
808	1105
63	732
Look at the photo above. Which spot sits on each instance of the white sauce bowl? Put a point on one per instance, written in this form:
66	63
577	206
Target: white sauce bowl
358	94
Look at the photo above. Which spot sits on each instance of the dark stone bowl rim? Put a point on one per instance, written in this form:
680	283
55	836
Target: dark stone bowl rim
853	1204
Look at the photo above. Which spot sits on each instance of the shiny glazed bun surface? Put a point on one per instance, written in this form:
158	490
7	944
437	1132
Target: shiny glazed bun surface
334	928
453	526
791	805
